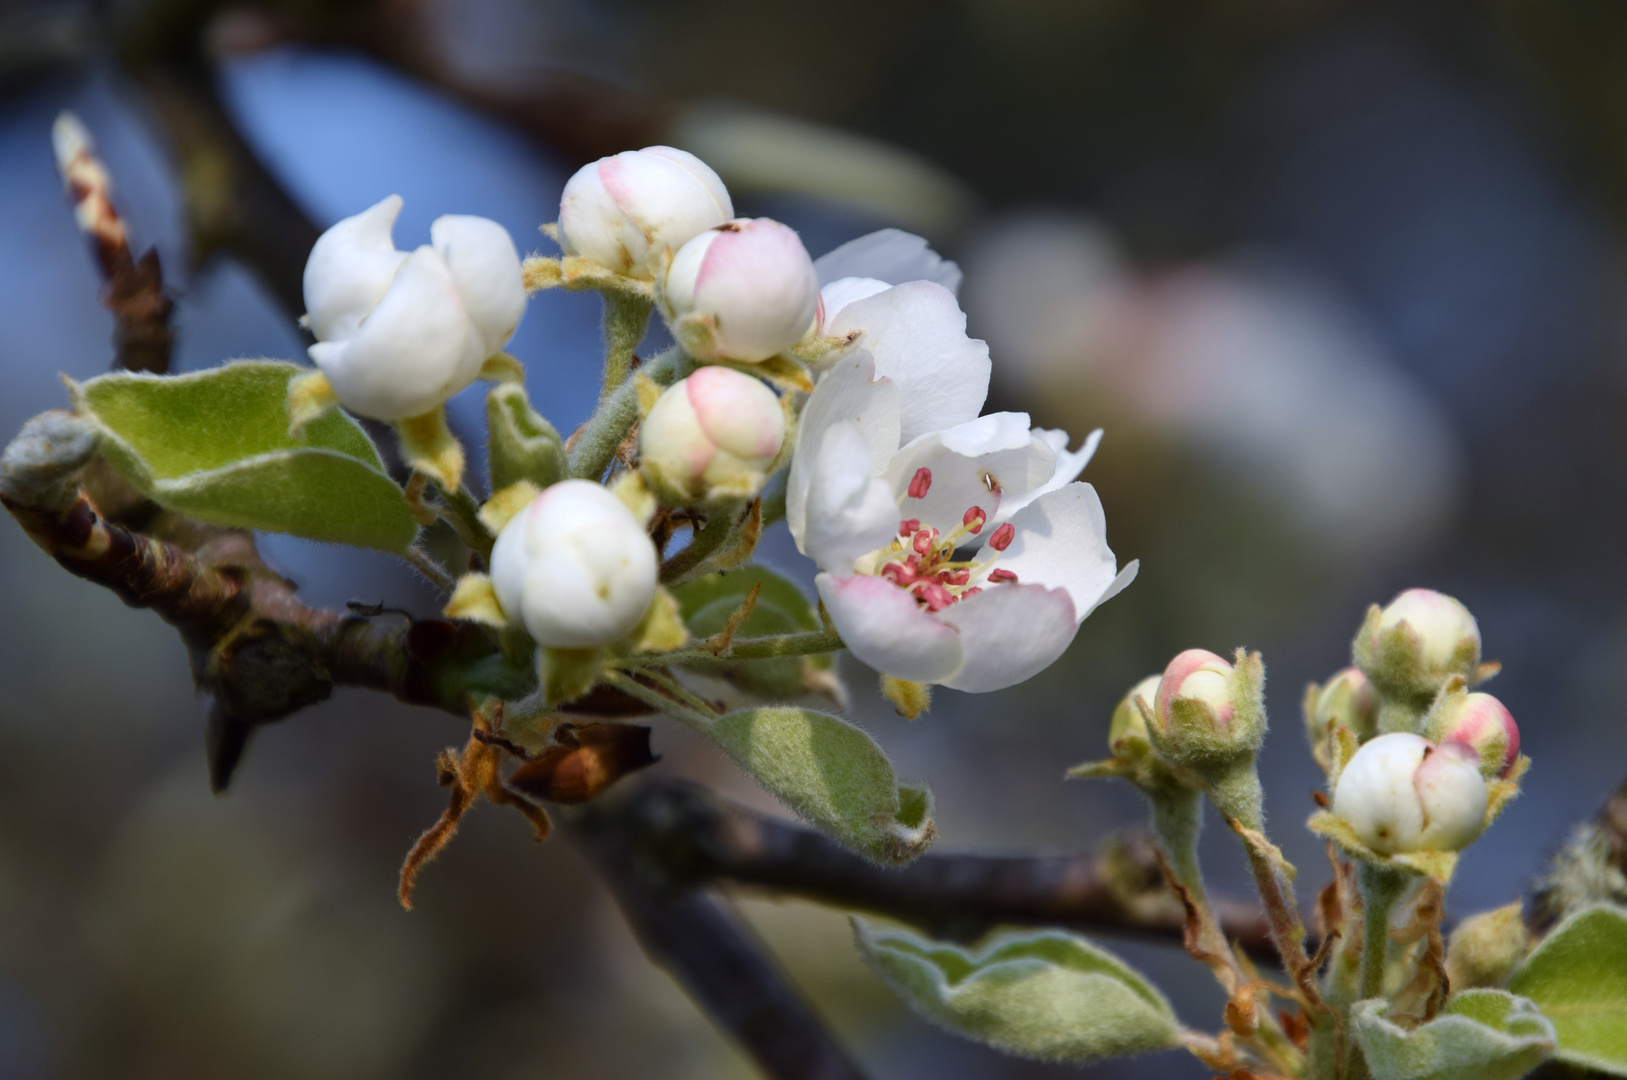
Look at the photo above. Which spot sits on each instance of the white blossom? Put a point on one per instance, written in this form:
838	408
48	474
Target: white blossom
399	333
576	567
1403	793
628	211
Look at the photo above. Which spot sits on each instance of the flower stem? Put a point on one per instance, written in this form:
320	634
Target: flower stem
626	317
1380	888
678	710
463	514
597	442
759	648
702	545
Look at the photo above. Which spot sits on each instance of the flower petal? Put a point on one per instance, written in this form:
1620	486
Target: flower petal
890	255
883	626
849	391
917	334
850	512
412	352
971	465
1009	633
844	291
1068	468
350	269
485	268
1061	542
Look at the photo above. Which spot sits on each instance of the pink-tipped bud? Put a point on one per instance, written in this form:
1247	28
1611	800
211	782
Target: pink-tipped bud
1002	537
1445	629
1402	793
920	483
627	211
715	432
1483	723
973	519
744	291
1200	676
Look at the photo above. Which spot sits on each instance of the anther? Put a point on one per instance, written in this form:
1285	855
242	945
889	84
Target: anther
1001	575
908	526
974	519
924	540
921	483
1002	537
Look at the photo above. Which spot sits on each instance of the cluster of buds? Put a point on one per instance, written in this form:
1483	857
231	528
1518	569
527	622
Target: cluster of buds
1418	763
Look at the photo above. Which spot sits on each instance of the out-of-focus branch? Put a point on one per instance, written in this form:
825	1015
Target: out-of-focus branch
727	973
133	288
686	837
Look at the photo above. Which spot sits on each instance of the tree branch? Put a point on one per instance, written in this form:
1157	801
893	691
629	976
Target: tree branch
686	837
715	959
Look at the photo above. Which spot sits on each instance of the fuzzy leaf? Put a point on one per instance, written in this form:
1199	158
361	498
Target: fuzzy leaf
1481	1035
1048	995
215	444
1578	975
832	774
522	445
706	604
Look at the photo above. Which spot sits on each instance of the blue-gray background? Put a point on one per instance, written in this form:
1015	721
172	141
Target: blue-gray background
1446	172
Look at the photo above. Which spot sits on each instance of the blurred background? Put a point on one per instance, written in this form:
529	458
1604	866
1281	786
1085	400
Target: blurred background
1343	282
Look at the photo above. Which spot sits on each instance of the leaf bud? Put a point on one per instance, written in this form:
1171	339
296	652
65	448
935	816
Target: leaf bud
1403	793
399	333
1412	647
575	566
1486	948
715	433
1207	710
1127	735
744	291
627	211
1480	721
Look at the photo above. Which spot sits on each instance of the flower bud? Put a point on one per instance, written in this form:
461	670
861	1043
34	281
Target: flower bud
626	210
1403	793
716	432
1482	722
1410	648
1486	948
398	333
575	567
1207	710
743	291
1127	735
1348	699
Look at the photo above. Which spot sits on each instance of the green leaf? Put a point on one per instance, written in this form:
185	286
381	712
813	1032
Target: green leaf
1481	1035
521	445
832	774
1048	995
214	444
707	602
1578	976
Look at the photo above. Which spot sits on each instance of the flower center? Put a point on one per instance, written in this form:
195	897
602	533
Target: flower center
921	560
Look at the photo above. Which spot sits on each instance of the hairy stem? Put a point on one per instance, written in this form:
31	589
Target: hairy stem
626	318
760	648
1380	888
705	543
596	444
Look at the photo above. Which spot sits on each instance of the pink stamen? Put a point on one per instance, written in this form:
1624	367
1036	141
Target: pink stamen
908	526
924	541
921	483
969	593
898	574
1002	537
935	596
1001	575
974	519
954	577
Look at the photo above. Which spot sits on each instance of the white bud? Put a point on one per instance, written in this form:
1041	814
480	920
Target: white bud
1483	722
626	210
1196	675
398	333
1403	793
743	291
1441	623
575	567
719	429
1127	734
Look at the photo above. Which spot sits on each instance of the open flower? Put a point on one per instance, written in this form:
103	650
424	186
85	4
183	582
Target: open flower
921	583
399	333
